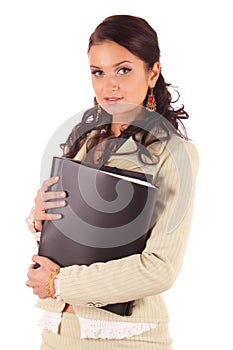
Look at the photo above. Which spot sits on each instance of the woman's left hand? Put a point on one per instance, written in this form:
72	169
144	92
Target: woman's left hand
37	278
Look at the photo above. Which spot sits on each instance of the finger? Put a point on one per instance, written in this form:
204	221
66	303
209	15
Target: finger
39	205
44	262
53	195
49	182
54	204
47	216
40	214
41	260
45	186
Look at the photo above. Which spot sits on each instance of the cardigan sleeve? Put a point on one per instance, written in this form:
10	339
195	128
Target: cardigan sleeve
156	268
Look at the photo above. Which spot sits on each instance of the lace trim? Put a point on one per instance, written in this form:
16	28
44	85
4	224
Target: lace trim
50	321
57	288
96	329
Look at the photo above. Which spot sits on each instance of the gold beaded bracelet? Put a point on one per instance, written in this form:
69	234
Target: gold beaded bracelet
49	283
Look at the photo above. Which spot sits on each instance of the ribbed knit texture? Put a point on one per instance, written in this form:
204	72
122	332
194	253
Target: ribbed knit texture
140	277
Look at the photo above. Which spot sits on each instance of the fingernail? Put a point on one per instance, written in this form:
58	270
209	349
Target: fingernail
56	178
62	203
58	216
63	194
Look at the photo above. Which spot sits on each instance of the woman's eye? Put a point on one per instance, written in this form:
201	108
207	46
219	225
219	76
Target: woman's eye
97	73
124	70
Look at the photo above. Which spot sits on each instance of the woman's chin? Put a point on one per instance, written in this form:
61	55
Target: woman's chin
119	108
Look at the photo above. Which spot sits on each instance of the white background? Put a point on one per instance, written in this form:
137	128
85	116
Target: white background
44	80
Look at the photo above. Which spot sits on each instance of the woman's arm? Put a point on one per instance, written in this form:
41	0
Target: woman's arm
156	269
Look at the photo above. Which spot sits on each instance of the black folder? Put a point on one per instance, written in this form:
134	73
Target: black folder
108	215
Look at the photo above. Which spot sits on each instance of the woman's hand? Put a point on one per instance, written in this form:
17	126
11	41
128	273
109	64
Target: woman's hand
38	278
41	203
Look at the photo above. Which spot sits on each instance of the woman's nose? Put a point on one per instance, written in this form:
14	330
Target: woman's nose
112	83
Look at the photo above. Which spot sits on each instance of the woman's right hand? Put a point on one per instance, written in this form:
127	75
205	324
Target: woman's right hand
41	203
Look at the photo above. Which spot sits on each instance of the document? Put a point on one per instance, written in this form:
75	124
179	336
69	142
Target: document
108	215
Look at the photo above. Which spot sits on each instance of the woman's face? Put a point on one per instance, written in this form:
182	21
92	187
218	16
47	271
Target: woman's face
120	79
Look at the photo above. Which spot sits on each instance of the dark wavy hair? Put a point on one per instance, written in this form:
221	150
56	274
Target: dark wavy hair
137	36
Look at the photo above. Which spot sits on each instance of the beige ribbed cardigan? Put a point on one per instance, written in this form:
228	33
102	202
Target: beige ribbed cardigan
140	277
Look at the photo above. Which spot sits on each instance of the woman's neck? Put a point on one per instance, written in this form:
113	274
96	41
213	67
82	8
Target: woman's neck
121	121
118	128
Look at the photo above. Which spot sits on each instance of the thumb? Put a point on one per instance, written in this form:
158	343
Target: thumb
45	262
41	260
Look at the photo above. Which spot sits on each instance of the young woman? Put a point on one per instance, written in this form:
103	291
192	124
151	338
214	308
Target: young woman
135	127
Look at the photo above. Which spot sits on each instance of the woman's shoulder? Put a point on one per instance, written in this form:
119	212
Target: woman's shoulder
187	146
176	141
175	145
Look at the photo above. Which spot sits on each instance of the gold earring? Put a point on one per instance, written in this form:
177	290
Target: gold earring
151	103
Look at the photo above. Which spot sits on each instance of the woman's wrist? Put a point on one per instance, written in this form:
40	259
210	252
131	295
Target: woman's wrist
52	288
56	284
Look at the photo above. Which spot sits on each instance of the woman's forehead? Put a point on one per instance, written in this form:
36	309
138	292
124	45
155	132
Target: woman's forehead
111	54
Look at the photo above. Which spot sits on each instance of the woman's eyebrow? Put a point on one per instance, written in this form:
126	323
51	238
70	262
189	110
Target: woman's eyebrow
114	65
119	63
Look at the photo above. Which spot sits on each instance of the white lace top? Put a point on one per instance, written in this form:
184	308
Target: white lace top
97	329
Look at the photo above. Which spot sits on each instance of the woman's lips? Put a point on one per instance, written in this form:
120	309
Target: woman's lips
112	100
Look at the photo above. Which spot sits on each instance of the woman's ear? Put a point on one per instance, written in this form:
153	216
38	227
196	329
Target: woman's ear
154	74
